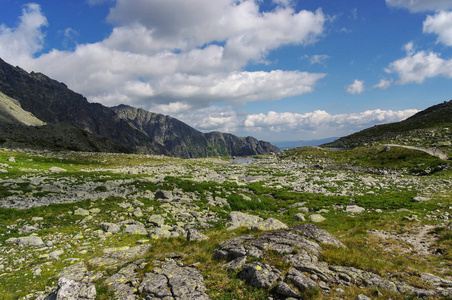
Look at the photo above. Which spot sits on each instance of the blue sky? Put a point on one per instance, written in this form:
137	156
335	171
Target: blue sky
278	70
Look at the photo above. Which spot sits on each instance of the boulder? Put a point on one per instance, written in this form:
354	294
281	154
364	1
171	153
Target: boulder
316	218
420	199
27	229
81	212
195	235
299	217
238	219
354	209
57	170
110	227
173	281
31	240
259	275
157	220
269	224
70	289
135	229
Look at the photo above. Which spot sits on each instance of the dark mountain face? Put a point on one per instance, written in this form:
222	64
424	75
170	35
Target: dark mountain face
432	123
184	141
126	128
52	102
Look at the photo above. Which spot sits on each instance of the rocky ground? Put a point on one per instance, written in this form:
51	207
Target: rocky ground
114	226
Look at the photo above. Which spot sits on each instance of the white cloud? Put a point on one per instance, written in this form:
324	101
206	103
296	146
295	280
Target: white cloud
176	54
288	125
357	87
20	43
440	24
317	59
383	84
417	66
421	5
200	90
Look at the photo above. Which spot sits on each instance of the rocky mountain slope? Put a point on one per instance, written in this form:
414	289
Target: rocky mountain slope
12	112
52	102
181	140
430	127
21	129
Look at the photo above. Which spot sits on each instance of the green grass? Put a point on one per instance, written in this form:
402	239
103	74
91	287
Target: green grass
363	251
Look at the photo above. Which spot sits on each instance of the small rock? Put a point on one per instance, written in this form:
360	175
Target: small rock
81	212
137	203
259	275
157	220
57	170
354	209
411	218
55	255
194	235
27	229
285	290
420	199
135	229
37	272
11	159
316	218
31	240
362	297
94	210
110	227
299	217
238	219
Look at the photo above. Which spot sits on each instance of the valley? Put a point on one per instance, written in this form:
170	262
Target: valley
310	223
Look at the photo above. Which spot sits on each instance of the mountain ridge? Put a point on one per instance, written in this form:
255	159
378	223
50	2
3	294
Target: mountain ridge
53	103
182	140
427	128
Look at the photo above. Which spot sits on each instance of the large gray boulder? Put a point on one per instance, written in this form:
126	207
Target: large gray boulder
173	282
31	240
259	275
69	289
238	219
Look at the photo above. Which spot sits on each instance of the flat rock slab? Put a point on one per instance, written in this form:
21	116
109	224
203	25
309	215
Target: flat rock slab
31	240
238	219
172	281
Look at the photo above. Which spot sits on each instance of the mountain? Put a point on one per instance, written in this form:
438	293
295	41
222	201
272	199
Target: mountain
181	140
430	127
52	102
21	129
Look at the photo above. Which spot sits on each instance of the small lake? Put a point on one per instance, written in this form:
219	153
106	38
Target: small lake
242	160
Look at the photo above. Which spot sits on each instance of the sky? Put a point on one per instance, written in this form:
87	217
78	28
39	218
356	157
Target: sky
278	70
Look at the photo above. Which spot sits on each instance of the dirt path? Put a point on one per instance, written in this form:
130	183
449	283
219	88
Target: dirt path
432	151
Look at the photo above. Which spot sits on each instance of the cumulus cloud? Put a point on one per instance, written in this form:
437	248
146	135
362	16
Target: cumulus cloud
421	5
383	84
417	66
288	125
21	43
357	87
440	24
175	54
